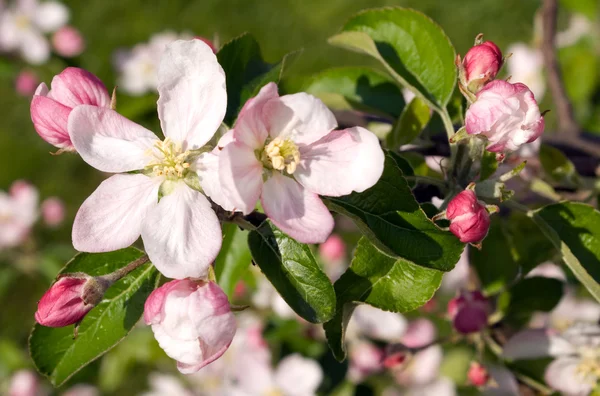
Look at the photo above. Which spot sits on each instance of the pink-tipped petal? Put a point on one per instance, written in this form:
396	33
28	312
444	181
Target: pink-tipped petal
296	211
108	141
111	218
240	175
75	86
316	120
50	120
192	96
341	162
182	234
253	123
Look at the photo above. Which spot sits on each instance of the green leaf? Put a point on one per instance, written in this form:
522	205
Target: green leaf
384	282
557	166
531	295
413	120
54	351
413	49
294	272
391	218
574	229
246	72
587	7
359	88
233	259
495	263
489	165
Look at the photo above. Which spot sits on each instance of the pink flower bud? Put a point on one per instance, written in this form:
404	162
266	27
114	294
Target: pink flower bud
68	42
207	42
506	114
469	312
192	322
469	218
69	300
481	64
365	359
53	211
24	383
26	83
478	374
50	109
333	249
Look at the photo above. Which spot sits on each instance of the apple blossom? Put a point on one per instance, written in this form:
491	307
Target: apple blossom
365	359
333	249
192	321
377	324
165	384
50	109
469	312
506	114
53	211
526	65
23	25
139	66
477	374
181	232
469	218
481	64
69	300
576	368
286	152
18	213
25	383
68	42
26	82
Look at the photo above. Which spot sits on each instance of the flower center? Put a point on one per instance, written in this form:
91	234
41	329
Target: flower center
22	22
168	160
281	154
589	369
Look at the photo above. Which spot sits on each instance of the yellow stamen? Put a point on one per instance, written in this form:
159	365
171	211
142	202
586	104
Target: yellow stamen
168	159
281	154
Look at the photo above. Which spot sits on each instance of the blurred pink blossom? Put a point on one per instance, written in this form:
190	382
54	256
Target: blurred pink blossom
68	42
53	211
26	83
18	213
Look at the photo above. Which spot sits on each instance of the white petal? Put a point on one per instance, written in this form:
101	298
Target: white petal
316	119
379	324
240	175
298	376
182	234
193	99
562	375
341	162
504	384
207	168
51	15
111	218
34	47
536	343
296	211
108	141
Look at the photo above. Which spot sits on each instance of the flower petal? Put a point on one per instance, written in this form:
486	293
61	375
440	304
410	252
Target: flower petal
240	175
296	211
252	125
34	47
316	119
74	87
536	343
50	15
297	375
207	168
562	375
108	141
111	218
50	121
191	86
341	162
182	234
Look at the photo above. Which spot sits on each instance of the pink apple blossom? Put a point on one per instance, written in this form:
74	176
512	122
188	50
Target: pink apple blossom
68	42
25	383
469	312
478	374
506	114
469	218
23	25
18	213
181	232
50	109
286	152
575	370
333	249
26	83
481	64
365	359
68	301
192	321
53	211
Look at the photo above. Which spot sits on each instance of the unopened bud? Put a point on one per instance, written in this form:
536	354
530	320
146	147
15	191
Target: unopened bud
478	374
70	299
469	218
469	312
480	65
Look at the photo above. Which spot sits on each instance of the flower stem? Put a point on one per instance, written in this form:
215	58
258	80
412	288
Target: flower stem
428	180
121	272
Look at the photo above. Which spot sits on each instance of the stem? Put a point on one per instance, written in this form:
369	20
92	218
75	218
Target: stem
241	222
121	272
427	180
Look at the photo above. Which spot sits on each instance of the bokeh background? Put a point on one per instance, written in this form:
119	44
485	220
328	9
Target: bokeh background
280	26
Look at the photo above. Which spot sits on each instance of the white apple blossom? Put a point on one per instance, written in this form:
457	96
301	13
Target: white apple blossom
526	66
23	26
18	213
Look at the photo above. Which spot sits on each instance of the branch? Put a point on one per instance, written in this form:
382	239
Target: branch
566	120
